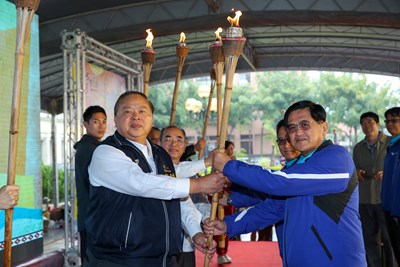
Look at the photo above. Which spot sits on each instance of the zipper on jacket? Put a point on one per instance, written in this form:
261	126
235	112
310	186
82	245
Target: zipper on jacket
315	231
166	234
284	234
127	230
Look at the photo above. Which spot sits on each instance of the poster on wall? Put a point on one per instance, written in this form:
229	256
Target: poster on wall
103	88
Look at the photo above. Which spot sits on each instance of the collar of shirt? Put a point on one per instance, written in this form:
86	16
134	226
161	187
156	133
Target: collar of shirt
289	163
147	152
302	158
393	140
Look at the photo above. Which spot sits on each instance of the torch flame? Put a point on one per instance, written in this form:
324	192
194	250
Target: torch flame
235	21
149	38
183	38
217	36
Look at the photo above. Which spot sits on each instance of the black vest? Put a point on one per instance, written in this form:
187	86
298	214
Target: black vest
131	230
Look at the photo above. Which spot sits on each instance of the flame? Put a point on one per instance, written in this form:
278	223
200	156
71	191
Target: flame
235	21
149	38
183	38
217	36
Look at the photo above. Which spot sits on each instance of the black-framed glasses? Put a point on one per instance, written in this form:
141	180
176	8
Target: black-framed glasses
303	125
392	120
282	141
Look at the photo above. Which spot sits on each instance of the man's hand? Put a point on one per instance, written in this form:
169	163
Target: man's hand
223	198
208	184
215	227
200	145
379	175
220	159
200	241
9	195
361	175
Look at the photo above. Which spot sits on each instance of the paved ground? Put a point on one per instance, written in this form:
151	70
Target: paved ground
53	240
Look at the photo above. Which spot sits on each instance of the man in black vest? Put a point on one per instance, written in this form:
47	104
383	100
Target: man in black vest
134	216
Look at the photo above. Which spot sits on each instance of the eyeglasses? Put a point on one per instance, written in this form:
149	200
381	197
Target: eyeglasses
282	141
178	141
392	120
303	125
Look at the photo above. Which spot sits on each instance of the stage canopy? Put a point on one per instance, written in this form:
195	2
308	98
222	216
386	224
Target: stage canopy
357	36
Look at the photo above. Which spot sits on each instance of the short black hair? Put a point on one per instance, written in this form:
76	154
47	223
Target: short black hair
280	124
228	142
87	115
172	127
395	112
316	110
369	114
128	93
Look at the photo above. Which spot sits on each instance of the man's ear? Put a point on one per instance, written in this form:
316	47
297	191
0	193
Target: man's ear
85	124
325	128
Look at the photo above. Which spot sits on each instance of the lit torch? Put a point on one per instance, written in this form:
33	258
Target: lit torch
181	52
148	56
233	46
218	60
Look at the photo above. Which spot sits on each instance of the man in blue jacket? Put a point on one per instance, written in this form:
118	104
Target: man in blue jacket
391	180
321	222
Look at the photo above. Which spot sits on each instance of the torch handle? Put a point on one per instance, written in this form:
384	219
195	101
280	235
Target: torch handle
213	213
24	20
146	73
219	70
181	60
207	115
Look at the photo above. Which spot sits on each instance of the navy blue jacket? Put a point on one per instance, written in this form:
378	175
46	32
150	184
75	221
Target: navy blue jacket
131	230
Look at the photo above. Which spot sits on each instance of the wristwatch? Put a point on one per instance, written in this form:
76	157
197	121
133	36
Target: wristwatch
229	200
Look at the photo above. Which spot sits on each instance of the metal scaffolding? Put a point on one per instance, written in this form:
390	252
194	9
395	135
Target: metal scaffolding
78	49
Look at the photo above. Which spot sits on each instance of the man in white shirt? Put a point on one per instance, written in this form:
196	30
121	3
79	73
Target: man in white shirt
134	211
173	140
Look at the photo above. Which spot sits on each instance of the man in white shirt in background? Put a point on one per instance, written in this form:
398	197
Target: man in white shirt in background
173	140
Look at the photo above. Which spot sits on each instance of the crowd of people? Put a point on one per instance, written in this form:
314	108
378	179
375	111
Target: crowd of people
141	201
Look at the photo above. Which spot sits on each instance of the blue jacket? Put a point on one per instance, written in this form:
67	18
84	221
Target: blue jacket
391	180
321	221
131	230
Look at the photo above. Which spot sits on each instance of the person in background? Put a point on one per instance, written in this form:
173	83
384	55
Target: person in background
173	140
369	155
95	123
134	215
223	257
391	180
9	195
155	136
321	219
230	149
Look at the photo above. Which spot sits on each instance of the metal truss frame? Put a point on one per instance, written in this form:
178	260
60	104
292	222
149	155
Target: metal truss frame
78	48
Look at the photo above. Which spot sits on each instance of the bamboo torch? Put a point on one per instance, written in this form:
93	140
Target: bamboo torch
148	56
181	52
25	12
209	107
233	46
218	60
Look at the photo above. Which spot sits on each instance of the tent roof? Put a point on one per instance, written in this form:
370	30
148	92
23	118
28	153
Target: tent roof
357	36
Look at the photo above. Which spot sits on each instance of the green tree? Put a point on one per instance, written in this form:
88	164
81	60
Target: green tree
346	96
